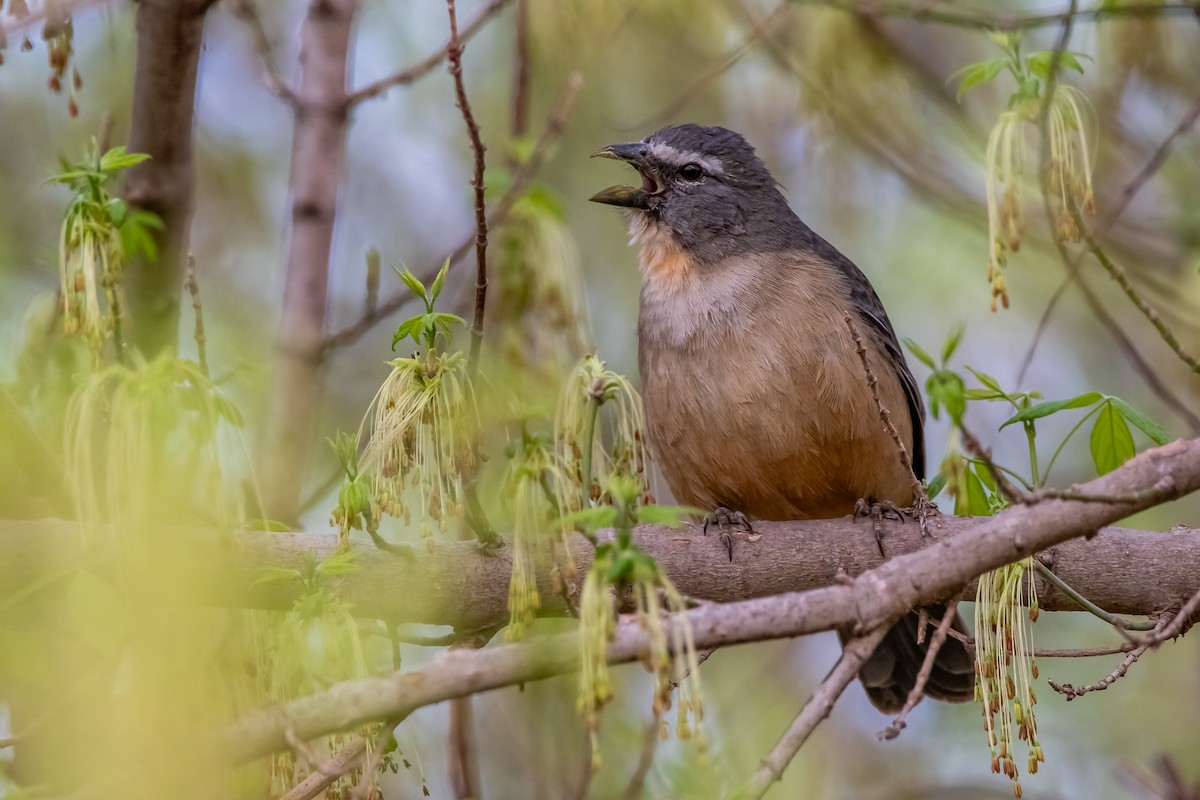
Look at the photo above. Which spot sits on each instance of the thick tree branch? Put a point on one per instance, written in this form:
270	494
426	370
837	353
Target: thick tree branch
863	603
169	36
318	154
457	586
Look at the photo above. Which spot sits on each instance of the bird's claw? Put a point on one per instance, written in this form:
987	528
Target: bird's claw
729	522
877	511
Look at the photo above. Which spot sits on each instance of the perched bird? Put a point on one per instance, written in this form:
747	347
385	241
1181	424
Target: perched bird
756	401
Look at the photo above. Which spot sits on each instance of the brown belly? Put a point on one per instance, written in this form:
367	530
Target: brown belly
776	431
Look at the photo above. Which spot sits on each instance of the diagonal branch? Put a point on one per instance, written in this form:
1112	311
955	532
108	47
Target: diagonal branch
429	63
854	655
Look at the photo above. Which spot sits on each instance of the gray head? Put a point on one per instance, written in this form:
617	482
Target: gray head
709	189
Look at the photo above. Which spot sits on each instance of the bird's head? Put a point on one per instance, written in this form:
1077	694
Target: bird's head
705	186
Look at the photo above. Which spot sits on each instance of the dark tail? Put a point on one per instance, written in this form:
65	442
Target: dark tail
891	671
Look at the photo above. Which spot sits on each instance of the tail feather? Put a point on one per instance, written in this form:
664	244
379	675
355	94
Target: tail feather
891	672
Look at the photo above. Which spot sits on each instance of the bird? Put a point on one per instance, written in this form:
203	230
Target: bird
756	402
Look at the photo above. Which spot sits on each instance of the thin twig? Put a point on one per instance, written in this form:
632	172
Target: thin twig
322	778
427	64
854	654
519	116
885	416
1153	165
1117	273
198	312
454	55
1071	692
247	12
963	17
1179	623
719	66
370	770
650	739
918	690
555	125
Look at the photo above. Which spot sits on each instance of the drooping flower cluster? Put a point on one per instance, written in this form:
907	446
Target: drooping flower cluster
1005	607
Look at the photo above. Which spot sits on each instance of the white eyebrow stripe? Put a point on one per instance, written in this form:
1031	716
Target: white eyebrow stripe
671	155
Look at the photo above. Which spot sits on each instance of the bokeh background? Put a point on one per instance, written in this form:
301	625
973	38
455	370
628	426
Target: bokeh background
857	118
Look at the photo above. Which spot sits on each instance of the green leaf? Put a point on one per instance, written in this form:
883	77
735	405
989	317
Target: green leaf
411	281
340	562
988	381
117	159
271	574
592	519
935	486
1039	62
1157	433
1052	407
118	211
975	75
977	501
945	388
920	353
985	476
436	289
1112	443
228	411
951	344
672	516
410	327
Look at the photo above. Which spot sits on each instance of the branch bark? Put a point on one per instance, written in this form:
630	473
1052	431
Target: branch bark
1122	570
873	599
318	154
169	36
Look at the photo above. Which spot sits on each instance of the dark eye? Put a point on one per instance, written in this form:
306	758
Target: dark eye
691	172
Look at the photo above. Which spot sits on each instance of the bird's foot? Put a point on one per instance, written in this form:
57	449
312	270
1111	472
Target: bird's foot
730	522
877	511
922	511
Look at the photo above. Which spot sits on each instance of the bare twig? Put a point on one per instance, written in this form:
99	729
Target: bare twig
1179	622
322	778
1152	166
198	313
430	62
555	125
650	739
1071	692
463	760
519	116
854	654
454	55
247	12
885	416
1117	273
719	66
918	690
370	776
963	17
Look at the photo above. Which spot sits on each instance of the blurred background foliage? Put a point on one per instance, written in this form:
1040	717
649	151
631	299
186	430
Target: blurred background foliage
857	117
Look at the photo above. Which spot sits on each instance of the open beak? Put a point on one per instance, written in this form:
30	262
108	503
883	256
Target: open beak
633	153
